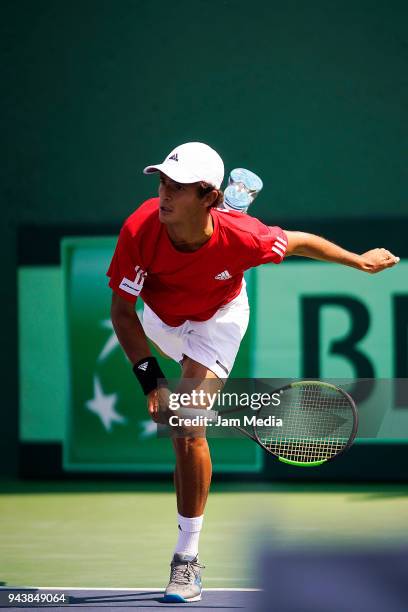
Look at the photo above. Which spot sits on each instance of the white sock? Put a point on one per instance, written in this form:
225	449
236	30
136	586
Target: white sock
189	534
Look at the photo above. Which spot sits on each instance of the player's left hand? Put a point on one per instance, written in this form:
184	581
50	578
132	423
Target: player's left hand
377	260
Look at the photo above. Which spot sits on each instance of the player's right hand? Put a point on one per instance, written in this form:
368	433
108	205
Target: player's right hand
157	404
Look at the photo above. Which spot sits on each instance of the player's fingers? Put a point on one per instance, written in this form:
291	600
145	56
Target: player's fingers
389	256
155	415
390	262
152	402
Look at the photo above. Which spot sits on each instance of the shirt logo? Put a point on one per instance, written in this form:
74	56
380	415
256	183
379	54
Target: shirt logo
223	275
279	246
134	287
174	157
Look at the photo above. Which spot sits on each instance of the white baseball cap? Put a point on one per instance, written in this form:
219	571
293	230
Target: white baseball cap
190	163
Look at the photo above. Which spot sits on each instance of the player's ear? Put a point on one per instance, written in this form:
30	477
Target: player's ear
210	196
211	199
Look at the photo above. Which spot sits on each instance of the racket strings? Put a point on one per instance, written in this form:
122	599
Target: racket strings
317	422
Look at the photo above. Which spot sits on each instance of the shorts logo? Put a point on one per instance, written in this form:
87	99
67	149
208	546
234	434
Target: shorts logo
134	287
174	157
223	275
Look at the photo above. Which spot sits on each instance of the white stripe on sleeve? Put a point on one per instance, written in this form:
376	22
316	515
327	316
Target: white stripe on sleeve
282	240
278	251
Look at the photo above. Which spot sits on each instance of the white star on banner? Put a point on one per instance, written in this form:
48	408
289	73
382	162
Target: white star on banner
104	406
112	342
149	428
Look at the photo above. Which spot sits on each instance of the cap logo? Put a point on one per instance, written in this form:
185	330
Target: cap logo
174	157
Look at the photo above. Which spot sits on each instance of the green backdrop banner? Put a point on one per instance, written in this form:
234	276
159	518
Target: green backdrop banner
308	320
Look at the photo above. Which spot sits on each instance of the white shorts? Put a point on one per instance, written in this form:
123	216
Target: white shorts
213	343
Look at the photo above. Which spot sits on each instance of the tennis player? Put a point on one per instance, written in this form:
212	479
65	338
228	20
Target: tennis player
186	259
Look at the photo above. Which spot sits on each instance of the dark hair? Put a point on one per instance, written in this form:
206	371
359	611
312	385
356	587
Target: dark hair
205	188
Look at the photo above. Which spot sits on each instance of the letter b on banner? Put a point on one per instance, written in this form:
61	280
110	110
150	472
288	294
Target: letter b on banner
347	347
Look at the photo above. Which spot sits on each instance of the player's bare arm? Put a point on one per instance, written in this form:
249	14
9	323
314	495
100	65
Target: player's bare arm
133	340
315	247
128	329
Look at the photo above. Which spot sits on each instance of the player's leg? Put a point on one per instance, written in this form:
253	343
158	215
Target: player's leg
193	461
209	349
192	478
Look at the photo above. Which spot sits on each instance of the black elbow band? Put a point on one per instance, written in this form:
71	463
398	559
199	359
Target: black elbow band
149	374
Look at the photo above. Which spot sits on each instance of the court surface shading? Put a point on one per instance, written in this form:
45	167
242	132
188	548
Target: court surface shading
121	535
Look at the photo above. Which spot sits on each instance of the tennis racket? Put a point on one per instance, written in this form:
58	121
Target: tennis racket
319	423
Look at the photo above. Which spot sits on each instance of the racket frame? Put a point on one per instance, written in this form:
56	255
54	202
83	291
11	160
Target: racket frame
303	383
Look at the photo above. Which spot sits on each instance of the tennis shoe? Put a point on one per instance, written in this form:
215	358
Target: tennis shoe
185	579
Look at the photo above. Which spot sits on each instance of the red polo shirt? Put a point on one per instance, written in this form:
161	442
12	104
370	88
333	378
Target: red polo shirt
181	286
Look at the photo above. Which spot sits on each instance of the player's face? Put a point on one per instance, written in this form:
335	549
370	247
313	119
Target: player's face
178	201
